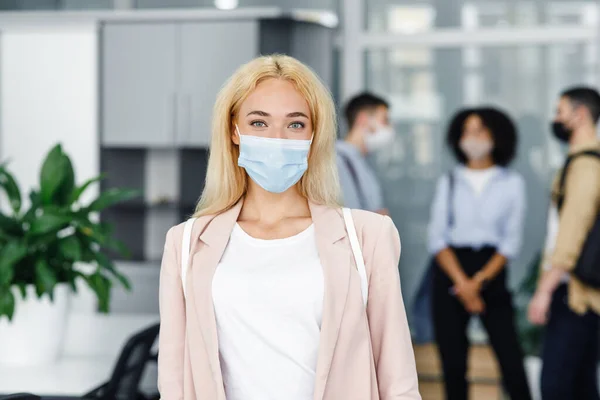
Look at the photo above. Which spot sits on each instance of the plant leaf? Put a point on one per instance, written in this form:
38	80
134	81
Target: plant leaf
87	255
101	286
48	222
7	181
101	234
73	274
10	253
7	302
112	196
23	289
81	189
10	225
70	247
52	174
65	191
45	278
107	264
118	246
36	200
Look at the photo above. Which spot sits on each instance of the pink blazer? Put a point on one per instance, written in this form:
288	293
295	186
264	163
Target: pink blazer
362	355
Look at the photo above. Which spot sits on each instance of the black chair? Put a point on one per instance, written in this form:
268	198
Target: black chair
21	396
125	379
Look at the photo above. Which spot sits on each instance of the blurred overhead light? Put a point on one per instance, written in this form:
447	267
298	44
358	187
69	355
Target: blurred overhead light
325	18
226	4
410	19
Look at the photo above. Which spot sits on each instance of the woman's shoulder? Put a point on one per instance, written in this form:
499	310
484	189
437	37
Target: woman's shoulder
377	235
175	233
513	177
371	225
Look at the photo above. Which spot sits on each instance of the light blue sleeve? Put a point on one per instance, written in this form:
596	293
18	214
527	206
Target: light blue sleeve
438	221
376	195
510	243
349	194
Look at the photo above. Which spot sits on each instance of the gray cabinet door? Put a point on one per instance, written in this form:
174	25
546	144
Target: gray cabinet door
139	102
210	53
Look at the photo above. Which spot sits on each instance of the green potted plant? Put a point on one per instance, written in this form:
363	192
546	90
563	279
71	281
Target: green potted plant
46	246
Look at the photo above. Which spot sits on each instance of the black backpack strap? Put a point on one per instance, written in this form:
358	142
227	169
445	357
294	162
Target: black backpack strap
563	175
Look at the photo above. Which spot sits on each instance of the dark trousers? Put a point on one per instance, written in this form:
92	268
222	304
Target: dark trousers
451	321
570	352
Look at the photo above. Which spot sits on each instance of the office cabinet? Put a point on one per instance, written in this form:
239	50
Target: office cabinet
160	81
210	53
139	98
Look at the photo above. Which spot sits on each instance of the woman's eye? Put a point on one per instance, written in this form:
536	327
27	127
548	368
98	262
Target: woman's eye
258	124
296	125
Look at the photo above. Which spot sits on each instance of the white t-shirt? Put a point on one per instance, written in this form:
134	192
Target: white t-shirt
479	178
268	300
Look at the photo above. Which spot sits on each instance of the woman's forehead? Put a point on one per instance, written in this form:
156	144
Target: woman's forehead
275	97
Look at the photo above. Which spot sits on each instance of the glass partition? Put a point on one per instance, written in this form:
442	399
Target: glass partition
426	85
414	16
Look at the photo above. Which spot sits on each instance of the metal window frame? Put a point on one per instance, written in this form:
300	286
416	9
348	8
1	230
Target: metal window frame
354	40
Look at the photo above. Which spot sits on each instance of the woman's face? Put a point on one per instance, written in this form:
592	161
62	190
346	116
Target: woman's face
475	129
275	109
476	141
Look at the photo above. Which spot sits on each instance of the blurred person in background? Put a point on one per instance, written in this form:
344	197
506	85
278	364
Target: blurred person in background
475	231
270	306
367	117
564	303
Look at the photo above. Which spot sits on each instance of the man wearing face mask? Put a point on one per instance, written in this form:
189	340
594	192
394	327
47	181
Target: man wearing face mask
566	301
369	130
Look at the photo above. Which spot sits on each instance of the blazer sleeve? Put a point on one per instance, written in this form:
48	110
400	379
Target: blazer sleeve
390	335
172	324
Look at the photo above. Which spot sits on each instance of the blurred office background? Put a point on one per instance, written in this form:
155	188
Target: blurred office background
127	87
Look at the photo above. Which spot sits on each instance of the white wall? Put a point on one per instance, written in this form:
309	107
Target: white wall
49	94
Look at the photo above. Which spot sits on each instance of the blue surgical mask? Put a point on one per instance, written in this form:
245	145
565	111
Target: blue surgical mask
274	164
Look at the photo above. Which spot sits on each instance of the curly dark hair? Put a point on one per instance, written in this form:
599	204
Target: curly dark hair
502	128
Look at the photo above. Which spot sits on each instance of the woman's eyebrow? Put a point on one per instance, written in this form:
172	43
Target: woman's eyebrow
260	113
297	114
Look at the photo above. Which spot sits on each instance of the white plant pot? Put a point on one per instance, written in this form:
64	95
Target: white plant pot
35	335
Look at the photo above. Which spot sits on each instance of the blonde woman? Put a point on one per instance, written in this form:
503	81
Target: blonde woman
272	304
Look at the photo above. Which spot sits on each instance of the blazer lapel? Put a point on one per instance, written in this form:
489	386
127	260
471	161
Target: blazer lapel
336	259
214	238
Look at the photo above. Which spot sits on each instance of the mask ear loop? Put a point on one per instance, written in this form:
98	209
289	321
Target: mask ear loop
237	130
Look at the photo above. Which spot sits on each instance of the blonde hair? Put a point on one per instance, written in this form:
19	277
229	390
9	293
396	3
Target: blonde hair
226	183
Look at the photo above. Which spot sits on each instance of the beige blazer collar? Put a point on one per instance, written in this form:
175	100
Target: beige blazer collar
336	259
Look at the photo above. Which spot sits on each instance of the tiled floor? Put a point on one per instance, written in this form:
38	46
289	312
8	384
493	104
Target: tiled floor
483	373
